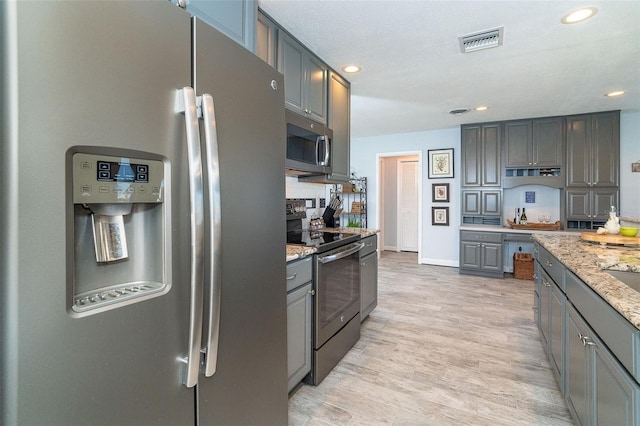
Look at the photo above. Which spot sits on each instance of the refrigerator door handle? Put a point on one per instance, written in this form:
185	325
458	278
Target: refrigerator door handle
186	103
214	279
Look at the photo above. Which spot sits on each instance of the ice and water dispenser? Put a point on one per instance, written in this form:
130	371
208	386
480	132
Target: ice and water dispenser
120	231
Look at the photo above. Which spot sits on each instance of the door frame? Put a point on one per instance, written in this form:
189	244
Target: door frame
380	195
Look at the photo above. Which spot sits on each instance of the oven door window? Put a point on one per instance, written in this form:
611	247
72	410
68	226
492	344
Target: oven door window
338	294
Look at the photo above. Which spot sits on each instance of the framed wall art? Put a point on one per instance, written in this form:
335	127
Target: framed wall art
440	216
440	163
440	192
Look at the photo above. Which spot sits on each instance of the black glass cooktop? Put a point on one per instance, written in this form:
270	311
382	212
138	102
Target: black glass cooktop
322	241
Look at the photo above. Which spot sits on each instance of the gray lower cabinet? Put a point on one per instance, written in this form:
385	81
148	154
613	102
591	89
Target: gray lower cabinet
481	253
368	276
552	310
236	19
299	317
599	390
592	349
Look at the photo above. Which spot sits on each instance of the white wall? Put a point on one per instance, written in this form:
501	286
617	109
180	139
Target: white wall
440	243
629	153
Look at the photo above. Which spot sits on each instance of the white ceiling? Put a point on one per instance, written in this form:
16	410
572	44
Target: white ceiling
413	72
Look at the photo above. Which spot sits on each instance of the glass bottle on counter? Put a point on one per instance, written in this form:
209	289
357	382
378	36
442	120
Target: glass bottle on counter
523	217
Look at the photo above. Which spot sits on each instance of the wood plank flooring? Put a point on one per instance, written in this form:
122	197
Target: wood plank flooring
440	349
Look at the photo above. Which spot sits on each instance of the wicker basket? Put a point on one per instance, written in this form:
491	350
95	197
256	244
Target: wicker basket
523	266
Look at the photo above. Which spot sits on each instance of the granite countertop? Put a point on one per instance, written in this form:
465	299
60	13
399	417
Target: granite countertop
498	228
295	251
588	260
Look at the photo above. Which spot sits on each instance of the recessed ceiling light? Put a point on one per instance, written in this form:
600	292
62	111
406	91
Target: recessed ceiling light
579	15
616	93
482	108
350	69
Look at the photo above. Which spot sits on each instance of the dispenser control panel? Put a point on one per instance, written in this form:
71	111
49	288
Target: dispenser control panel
101	179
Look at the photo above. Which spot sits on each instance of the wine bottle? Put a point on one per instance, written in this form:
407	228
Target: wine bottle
523	217
517	219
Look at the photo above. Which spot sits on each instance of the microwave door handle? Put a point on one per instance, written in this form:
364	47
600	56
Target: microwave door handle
214	279
327	149
186	103
317	150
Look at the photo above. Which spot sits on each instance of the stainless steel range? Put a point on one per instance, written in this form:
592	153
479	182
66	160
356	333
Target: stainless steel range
337	290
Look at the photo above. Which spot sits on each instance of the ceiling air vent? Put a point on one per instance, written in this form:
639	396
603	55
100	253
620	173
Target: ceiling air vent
482	40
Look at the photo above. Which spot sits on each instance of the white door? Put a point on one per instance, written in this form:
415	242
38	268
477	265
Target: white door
408	205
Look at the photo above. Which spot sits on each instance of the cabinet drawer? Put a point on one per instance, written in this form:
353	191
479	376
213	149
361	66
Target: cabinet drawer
622	339
370	245
485	237
554	268
299	272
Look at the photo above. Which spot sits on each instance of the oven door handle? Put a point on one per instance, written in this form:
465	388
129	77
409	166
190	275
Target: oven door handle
342	254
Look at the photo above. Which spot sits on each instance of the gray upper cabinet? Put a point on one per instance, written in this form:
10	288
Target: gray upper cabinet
235	18
481	154
305	78
266	39
339	122
593	150
535	143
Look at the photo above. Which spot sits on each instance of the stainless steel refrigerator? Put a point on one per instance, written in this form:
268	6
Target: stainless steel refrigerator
142	247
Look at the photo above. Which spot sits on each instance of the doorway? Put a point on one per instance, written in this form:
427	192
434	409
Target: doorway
400	201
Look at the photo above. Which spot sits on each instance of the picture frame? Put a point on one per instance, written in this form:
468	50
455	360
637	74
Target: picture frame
440	192
440	216
440	163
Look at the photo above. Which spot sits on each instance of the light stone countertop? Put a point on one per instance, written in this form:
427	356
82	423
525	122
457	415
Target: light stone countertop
506	229
295	252
364	232
587	260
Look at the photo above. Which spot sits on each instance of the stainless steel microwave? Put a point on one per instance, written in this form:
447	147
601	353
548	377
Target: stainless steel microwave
308	146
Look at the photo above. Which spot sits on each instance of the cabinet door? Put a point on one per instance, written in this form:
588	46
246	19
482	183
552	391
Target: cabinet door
339	122
291	58
601	201
368	284
557	302
236	19
471	158
578	204
518	143
576	372
578	150
605	149
547	138
491	154
315	100
491	257
266	36
545	296
470	255
471	202
299	305
491	203
616	395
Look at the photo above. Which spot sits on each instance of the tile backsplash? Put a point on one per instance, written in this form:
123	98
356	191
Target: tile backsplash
314	193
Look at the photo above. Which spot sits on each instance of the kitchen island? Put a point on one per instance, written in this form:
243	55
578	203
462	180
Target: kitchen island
587	260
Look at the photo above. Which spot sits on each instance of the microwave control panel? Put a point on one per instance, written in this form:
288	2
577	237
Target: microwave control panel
100	179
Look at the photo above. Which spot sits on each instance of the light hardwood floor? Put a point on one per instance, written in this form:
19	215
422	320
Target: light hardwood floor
440	349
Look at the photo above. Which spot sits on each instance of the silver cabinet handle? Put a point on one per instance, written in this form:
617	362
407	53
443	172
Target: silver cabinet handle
214	278
312	292
545	283
292	277
186	103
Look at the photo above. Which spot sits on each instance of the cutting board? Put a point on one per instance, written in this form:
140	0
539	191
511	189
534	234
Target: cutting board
609	239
